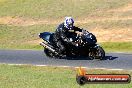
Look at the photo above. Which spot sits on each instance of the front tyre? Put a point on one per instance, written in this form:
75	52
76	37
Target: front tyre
100	53
97	53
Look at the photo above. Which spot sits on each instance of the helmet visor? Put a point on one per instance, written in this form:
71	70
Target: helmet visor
70	26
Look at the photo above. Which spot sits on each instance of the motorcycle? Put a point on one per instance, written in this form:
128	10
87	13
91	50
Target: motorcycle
85	45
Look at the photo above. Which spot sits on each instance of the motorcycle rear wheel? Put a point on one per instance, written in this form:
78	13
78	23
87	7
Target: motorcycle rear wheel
48	53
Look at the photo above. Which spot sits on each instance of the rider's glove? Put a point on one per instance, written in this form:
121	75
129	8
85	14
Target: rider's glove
75	44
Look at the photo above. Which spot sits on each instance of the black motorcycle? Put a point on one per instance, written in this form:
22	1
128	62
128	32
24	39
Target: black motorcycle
84	46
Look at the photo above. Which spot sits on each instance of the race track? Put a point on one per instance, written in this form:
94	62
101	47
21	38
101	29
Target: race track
36	57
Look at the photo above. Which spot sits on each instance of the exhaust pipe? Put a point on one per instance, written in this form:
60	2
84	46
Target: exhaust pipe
48	47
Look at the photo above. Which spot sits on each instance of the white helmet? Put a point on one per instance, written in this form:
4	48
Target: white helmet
68	22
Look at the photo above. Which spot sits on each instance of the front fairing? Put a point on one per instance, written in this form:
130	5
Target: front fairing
46	36
89	38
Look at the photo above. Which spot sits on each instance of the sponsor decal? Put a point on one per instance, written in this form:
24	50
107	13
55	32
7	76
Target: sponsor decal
83	78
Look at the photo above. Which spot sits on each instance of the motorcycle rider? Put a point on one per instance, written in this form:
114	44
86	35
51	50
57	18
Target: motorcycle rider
63	31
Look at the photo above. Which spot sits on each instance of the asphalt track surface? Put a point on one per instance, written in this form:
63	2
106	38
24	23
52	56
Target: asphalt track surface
37	57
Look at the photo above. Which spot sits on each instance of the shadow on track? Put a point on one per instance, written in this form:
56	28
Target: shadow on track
86	58
109	58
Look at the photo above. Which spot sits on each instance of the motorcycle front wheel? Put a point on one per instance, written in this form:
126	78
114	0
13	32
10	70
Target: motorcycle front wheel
97	53
100	53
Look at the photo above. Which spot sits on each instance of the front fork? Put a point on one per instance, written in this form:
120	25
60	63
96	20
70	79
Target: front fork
93	51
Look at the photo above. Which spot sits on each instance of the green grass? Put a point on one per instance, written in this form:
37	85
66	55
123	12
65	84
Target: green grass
117	46
108	24
58	8
18	37
50	77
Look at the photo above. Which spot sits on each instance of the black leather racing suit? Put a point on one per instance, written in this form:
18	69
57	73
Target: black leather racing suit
61	35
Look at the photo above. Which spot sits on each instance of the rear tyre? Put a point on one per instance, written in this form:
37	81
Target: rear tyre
48	53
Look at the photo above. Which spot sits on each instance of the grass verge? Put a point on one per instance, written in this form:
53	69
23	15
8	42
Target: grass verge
22	37
55	9
50	77
117	46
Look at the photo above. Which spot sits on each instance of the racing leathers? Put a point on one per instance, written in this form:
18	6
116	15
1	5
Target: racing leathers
61	36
